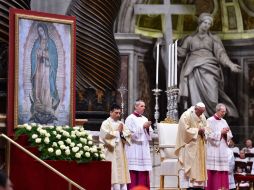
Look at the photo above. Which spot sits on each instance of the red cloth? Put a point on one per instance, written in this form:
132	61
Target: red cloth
28	174
139	178
217	180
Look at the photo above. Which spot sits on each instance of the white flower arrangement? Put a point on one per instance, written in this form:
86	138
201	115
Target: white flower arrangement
62	142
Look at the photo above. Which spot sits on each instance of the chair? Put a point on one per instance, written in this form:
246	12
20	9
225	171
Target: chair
169	162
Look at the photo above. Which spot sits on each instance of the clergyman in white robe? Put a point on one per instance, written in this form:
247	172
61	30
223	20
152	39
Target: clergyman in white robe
115	142
138	153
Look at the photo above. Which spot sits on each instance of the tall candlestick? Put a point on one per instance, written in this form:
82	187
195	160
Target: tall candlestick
157	65
175	81
169	65
172	65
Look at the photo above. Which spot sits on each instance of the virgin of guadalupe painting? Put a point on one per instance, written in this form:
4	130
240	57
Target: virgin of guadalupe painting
44	65
42	69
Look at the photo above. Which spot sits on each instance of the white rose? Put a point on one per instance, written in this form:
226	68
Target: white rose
58	152
54	144
67	151
50	149
83	140
102	156
72	144
34	136
62	146
25	125
81	152
60	142
51	127
39	128
93	149
78	155
28	127
90	142
54	132
65	133
38	140
33	124
78	133
96	154
58	136
68	141
47	135
73	135
46	140
59	128
42	132
90	137
67	126
75	149
86	148
87	154
79	145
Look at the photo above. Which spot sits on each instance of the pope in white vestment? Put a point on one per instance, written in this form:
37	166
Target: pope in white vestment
114	135
190	145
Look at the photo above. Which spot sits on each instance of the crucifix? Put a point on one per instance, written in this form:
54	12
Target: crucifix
167	9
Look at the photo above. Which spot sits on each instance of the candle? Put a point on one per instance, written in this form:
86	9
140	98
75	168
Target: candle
169	65
175	64
172	65
157	65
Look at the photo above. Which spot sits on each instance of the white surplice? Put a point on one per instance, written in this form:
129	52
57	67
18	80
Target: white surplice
138	153
217	154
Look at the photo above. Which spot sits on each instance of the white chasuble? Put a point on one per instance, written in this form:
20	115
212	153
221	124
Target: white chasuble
115	150
190	147
217	154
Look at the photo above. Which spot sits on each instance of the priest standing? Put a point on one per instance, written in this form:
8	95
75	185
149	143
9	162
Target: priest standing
217	154
138	153
190	145
114	135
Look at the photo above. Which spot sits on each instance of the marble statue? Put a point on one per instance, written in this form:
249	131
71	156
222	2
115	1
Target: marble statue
201	58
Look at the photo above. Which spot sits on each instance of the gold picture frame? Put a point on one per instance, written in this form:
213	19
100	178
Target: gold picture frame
41	80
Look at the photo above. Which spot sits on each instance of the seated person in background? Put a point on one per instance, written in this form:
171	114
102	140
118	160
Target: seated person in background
241	168
5	183
248	146
234	148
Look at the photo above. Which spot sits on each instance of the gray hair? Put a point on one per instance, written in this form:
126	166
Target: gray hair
137	102
219	105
